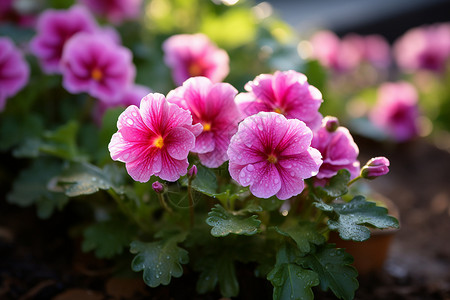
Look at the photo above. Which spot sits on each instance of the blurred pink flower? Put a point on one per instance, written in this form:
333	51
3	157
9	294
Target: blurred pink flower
373	49
154	139
54	28
212	105
287	93
131	96
396	110
115	11
272	155
195	55
14	70
338	150
426	47
332	53
93	63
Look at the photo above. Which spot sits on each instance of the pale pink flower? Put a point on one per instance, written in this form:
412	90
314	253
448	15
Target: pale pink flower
190	55
426	47
375	167
338	149
372	49
396	110
154	139
54	28
115	11
14	70
272	155
95	64
333	53
212	105
287	93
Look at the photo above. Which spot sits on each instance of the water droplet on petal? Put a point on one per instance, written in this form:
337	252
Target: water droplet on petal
260	127
134	114
276	181
250	168
130	122
292	174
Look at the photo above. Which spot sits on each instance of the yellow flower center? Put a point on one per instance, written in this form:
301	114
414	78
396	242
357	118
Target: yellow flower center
195	70
207	127
272	158
158	142
96	74
278	110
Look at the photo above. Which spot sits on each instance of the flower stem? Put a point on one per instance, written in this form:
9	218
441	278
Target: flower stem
191	203
354	180
163	203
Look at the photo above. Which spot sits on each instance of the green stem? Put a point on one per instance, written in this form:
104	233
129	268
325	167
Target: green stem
191	203
354	180
163	203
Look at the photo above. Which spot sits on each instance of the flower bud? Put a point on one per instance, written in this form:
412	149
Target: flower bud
331	123
158	187
192	172
375	167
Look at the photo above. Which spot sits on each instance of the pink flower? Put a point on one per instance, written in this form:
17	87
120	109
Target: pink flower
334	54
195	55
426	47
14	70
212	105
287	93
375	167
115	11
373	49
154	139
338	150
54	28
272	155
94	64
131	96
396	110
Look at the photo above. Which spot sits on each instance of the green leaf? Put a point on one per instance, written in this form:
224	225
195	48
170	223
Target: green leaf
350	219
62	142
31	187
218	270
335	272
160	260
15	129
107	238
291	281
304	234
336	187
225	222
205	182
84	179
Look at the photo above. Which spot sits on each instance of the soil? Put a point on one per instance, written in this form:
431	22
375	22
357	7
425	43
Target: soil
39	260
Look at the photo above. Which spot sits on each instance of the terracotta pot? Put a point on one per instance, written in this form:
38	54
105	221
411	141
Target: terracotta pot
370	255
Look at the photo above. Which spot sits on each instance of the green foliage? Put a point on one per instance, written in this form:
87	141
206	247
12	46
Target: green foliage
290	280
304	234
350	219
108	238
336	187
32	187
334	270
160	260
225	222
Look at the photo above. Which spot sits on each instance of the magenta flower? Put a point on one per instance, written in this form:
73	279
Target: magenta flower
212	105
287	93
375	167
338	150
54	28
14	70
396	110
154	139
272	155
115	11
195	55
94	64
426	47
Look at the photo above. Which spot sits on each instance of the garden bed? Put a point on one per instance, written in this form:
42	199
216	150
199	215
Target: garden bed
40	259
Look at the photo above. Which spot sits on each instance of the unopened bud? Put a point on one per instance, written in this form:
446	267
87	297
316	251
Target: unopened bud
158	187
192	172
375	167
331	123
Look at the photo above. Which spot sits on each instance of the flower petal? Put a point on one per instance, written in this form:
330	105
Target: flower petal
179	142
